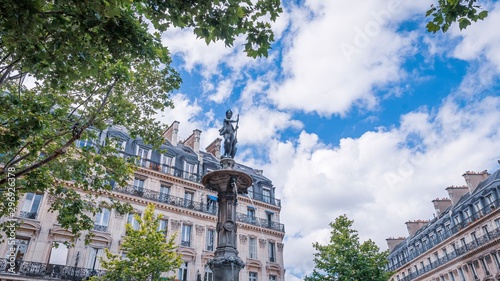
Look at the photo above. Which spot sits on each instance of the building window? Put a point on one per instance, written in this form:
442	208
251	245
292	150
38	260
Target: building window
478	207
164	193
272	251
101	221
486	232
133	221
188	199
58	254
473	237
250	191
266	195
138	186
489	200
210	239
252	248
93	258
269	218
31	205
167	164
209	275
84	143
162	226
497	223
456	219
189	171
251	214
273	278
186	236
466	214
252	276
143	154
183	271
18	251
461	273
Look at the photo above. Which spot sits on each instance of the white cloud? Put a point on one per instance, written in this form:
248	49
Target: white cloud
378	179
337	58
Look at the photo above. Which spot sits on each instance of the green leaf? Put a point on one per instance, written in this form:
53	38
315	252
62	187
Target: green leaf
463	23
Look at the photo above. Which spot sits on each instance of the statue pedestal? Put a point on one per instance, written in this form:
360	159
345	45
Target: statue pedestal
228	183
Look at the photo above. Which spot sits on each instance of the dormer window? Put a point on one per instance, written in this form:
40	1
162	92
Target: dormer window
189	171
144	155
167	163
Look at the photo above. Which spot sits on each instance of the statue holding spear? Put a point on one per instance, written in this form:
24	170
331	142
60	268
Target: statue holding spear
229	132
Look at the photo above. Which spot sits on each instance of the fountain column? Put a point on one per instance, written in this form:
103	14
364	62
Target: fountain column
228	183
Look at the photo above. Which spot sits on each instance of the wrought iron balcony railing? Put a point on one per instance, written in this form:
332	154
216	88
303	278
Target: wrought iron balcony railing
99	227
260	222
445	235
490	236
167	199
185	243
45	271
28	215
192	176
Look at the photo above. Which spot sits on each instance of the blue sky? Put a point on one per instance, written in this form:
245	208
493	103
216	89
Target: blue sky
357	110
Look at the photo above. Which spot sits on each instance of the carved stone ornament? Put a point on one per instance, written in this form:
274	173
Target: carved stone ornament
243	239
200	229
262	242
175	224
280	247
226	260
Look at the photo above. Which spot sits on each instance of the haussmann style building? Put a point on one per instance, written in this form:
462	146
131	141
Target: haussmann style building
172	182
462	241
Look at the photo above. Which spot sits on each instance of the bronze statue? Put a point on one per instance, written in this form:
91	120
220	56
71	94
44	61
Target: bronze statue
229	132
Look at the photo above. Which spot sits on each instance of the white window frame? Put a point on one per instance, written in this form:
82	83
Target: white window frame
266	194
187	229
32	203
253	276
210	239
182	274
132	221
102	218
144	156
163	226
167	164
58	254
93	259
252	248
189	170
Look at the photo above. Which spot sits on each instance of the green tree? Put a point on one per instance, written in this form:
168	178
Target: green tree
447	12
148	254
96	63
346	259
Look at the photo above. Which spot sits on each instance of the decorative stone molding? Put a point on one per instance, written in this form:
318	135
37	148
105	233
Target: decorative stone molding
243	239
262	242
280	247
175	224
200	229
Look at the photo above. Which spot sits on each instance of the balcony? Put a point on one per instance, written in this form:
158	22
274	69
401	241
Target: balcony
167	199
194	177
445	235
28	215
102	228
185	243
480	241
260	222
46	271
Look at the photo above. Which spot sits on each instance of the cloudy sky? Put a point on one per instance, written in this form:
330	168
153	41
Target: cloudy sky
357	110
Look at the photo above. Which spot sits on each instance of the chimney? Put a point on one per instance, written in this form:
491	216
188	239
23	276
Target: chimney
393	242
456	192
214	148
441	205
472	179
171	133
193	141
414	226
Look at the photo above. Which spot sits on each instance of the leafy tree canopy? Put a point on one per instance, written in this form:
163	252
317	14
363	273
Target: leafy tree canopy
147	253
447	12
346	259
96	63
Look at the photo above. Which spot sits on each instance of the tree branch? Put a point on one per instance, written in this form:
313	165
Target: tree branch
76	135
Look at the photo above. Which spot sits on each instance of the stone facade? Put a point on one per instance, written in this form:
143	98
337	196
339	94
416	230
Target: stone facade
462	242
172	182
